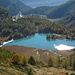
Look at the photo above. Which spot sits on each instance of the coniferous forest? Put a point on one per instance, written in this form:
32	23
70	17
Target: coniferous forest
27	26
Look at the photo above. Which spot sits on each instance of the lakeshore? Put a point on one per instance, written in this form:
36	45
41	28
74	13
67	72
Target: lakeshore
59	37
39	41
6	42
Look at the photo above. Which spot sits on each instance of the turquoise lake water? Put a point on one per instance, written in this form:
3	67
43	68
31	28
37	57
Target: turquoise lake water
40	41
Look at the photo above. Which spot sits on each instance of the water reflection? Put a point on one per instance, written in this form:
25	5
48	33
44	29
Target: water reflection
26	38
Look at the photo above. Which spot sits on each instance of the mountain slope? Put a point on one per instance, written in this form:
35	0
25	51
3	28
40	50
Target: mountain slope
35	3
14	6
3	12
63	10
56	11
69	21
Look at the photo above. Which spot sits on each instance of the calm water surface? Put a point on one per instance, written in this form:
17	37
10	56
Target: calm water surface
40	41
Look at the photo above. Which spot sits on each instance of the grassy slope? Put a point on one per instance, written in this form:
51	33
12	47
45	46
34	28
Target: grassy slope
37	71
29	51
9	71
5	70
52	71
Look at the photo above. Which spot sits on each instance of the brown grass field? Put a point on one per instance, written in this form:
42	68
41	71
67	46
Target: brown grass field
38	54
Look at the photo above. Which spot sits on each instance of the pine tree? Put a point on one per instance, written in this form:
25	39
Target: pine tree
24	60
50	62
32	61
16	59
65	63
58	60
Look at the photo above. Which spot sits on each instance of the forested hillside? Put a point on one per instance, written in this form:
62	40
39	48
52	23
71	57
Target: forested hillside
56	11
69	21
65	11
29	25
3	13
14	6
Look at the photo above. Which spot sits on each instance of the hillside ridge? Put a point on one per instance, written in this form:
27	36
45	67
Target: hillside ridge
14	6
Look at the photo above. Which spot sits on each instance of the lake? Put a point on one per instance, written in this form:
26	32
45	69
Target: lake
40	41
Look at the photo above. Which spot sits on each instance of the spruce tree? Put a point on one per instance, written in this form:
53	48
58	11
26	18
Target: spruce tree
32	61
